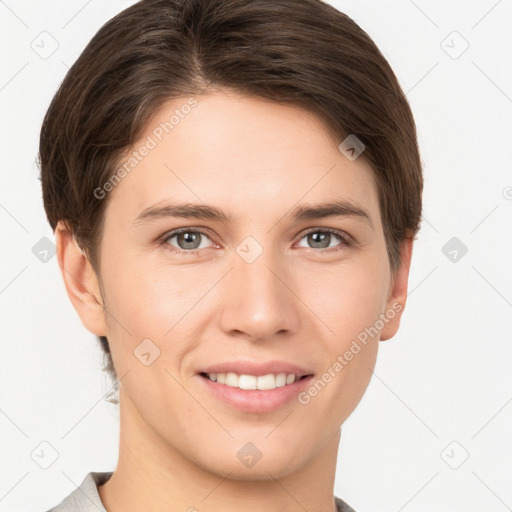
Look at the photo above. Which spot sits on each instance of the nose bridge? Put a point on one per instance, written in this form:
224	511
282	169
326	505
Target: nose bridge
258	301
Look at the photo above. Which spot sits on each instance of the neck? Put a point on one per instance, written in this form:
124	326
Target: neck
151	474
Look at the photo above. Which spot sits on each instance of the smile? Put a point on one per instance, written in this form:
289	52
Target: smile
245	381
254	394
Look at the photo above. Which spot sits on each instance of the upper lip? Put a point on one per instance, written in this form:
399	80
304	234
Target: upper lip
256	368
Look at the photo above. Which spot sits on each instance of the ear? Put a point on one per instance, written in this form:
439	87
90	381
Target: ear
397	297
81	281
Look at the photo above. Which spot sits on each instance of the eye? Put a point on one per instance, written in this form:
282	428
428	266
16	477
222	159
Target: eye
322	238
187	240
190	241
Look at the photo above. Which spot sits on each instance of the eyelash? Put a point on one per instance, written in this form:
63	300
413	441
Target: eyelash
345	239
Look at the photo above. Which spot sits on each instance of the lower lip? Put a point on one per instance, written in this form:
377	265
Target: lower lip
256	400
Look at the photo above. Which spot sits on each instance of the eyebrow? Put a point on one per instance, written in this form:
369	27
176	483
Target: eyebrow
340	208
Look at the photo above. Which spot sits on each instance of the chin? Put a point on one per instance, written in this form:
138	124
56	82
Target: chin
258	461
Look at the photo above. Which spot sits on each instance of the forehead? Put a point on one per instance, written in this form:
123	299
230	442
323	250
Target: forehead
238	153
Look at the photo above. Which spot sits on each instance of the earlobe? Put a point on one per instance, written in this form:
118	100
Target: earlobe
80	281
398	293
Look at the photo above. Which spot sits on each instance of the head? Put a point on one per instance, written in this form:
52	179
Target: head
243	107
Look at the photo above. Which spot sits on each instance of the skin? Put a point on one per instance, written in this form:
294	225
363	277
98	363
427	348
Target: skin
256	160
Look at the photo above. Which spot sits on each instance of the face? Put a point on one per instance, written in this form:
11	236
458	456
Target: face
269	282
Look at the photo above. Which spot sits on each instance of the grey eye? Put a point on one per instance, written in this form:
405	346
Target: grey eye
321	239
187	240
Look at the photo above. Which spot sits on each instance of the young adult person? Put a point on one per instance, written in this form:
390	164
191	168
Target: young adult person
235	188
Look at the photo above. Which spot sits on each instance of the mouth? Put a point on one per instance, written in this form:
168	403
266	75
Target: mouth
255	394
253	382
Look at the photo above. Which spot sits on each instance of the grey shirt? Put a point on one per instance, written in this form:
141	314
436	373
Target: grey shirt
86	498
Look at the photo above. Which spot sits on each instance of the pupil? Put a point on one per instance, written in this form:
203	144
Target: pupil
322	238
190	240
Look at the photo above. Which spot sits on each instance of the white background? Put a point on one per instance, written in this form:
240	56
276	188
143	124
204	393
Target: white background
445	377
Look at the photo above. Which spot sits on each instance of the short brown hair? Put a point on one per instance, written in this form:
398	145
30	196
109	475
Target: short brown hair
304	53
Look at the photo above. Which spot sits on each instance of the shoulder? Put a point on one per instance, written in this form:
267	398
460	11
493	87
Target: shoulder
85	498
341	506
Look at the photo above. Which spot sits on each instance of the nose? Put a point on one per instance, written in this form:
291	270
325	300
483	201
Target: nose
258	299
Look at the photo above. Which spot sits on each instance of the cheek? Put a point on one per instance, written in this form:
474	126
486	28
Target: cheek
151	303
144	305
146	295
347	298
353	380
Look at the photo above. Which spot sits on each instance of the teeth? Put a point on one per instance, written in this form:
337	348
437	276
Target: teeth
263	382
